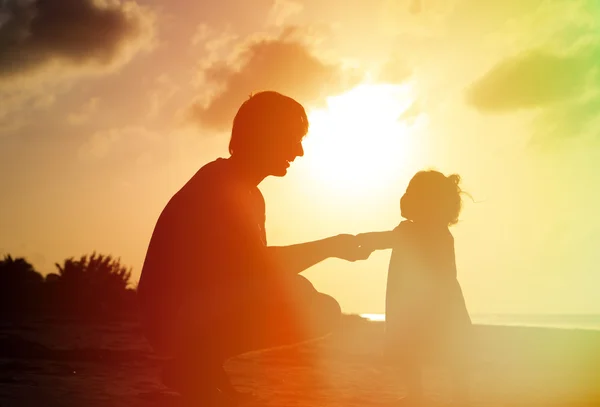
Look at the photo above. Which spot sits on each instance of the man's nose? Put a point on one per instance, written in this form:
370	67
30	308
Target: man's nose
300	151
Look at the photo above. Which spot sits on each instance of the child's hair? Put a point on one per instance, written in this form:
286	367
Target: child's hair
432	197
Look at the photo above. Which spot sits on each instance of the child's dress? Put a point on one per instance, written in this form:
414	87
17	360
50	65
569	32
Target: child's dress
426	315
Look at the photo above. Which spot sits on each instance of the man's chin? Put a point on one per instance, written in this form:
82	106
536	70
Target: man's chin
280	172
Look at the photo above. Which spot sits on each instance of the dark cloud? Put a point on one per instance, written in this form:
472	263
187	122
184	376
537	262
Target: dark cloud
282	64
76	33
532	79
566	87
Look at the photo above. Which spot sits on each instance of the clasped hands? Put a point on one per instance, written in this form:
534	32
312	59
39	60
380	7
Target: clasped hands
359	247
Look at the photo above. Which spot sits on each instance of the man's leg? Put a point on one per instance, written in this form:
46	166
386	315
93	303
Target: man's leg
298	314
257	318
190	374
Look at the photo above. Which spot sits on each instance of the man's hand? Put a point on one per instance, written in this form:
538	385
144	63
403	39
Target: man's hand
297	258
348	247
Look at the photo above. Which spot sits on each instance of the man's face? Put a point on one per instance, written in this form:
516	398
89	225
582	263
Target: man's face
282	151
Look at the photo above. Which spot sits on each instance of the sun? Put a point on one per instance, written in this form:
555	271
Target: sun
360	141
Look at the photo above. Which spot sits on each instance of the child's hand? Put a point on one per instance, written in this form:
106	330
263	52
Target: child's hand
372	241
347	247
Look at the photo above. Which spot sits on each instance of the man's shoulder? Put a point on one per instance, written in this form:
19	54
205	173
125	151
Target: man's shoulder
210	182
212	170
211	177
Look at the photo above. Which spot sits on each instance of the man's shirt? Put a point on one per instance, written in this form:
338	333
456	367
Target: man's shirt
210	235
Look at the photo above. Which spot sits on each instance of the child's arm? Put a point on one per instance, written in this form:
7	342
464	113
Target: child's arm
377	240
382	240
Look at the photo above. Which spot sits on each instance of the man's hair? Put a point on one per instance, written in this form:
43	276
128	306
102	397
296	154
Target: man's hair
262	117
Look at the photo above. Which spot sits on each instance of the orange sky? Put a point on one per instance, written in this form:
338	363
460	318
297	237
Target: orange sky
98	131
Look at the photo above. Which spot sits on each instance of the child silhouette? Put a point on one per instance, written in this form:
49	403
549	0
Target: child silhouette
426	316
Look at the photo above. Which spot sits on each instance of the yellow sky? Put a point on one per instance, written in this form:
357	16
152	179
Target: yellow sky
96	133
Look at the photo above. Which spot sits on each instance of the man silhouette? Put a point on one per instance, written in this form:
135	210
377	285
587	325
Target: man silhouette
211	288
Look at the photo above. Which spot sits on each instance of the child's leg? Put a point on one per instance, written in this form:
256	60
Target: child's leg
403	374
460	371
460	385
411	377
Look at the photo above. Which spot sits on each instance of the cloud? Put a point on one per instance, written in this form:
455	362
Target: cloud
415	7
559	24
119	145
213	44
16	106
417	18
396	70
84	113
282	10
211	39
532	79
82	35
203	32
4	17
565	88
413	113
578	120
10	125
164	90
553	73
285	64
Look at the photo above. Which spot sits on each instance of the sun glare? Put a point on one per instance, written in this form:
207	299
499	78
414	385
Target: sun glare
359	140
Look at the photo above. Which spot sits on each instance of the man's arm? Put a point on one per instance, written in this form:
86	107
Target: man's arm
296	258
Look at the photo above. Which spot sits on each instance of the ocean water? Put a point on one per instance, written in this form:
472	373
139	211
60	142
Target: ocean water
569	321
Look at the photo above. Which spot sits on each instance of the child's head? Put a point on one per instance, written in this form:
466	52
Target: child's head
432	198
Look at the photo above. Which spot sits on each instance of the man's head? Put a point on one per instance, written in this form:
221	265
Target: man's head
268	130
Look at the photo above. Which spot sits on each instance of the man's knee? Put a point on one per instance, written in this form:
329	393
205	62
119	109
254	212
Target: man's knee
328	313
330	307
302	286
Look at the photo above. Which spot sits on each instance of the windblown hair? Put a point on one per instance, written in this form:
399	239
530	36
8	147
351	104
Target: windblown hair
263	117
432	197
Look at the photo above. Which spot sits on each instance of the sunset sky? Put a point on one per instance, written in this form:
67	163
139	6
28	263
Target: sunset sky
107	107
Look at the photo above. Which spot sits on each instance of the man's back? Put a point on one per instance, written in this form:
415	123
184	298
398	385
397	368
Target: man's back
202	239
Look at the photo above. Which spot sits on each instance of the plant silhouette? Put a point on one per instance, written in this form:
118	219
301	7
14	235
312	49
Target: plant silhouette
20	286
92	286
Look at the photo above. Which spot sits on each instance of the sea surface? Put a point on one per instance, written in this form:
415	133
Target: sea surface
567	321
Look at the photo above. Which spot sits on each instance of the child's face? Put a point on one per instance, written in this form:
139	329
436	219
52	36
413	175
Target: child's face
431	198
